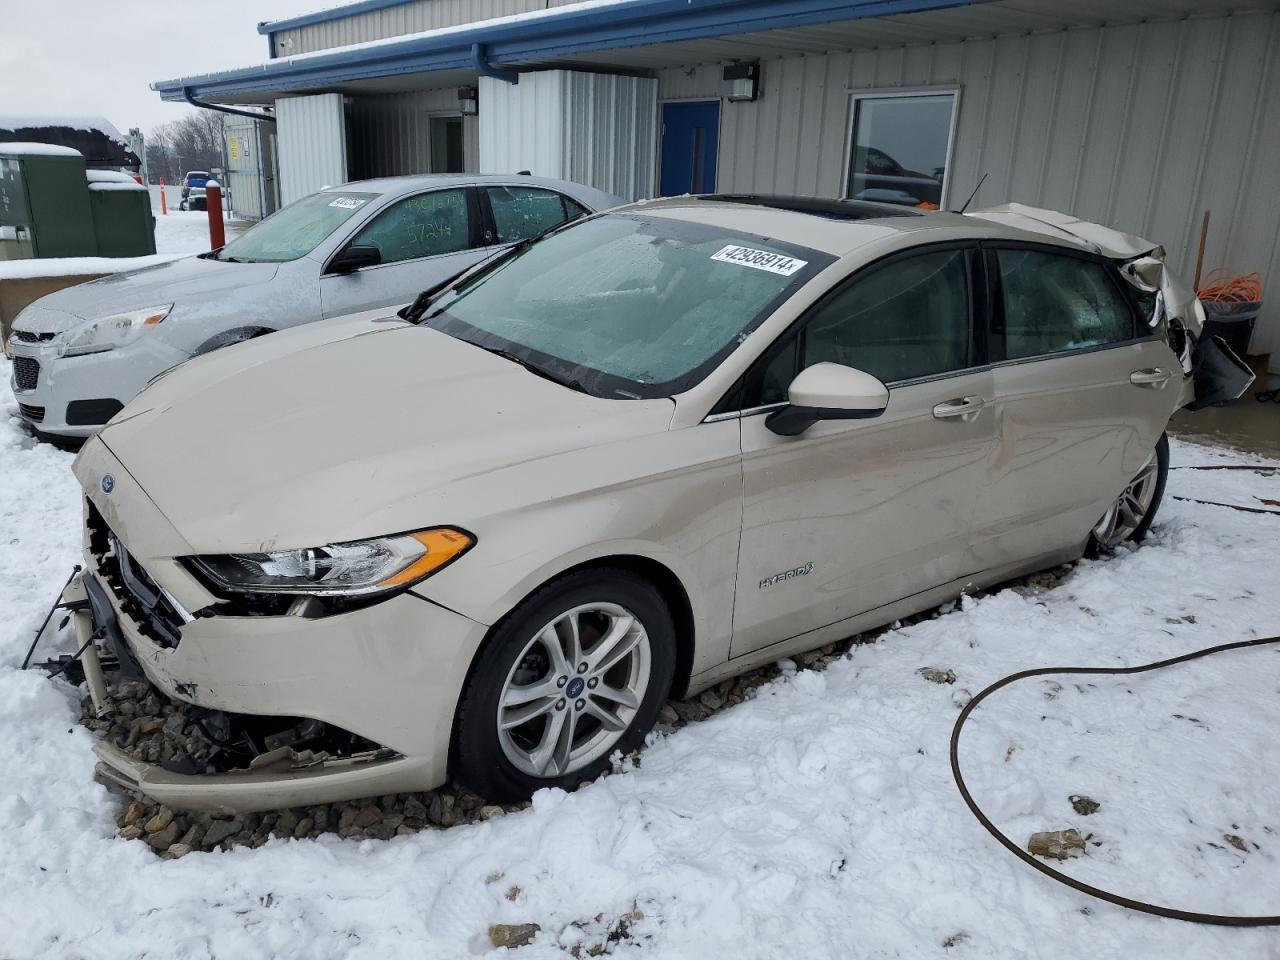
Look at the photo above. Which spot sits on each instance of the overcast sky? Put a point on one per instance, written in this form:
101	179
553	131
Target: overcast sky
95	56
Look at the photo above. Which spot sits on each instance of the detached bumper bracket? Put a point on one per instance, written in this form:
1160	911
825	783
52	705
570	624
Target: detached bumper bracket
106	624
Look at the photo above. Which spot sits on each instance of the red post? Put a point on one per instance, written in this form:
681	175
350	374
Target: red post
213	201
164	209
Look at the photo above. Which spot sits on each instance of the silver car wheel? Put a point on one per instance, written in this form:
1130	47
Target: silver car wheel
1125	516
574	690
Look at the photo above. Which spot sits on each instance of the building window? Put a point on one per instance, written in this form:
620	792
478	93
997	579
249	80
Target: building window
900	147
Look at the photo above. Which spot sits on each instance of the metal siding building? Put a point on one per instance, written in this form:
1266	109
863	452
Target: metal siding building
539	123
1139	114
1142	127
379	21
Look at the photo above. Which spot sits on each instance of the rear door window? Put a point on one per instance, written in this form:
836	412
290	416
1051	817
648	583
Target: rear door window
523	212
1054	303
424	225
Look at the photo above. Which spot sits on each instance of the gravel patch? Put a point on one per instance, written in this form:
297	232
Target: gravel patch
150	727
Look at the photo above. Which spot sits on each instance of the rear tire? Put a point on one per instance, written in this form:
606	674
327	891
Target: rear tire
1130	517
577	672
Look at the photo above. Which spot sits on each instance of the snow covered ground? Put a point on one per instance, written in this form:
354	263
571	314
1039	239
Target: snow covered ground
816	820
179	233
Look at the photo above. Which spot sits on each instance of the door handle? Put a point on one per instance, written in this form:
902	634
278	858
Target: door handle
966	408
1155	377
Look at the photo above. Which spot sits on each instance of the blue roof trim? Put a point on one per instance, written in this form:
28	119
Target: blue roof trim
324	16
565	30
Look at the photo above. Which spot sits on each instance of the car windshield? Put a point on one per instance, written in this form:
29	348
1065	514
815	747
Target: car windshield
628	306
297	229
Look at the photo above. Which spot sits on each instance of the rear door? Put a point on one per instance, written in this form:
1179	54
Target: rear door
854	514
423	239
1083	390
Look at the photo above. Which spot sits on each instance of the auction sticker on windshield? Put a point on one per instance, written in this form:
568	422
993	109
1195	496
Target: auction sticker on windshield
348	203
760	260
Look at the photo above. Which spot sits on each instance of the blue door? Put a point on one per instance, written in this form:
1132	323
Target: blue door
690	136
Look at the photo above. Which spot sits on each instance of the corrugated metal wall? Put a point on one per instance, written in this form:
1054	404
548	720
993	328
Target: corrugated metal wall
390	134
394	21
1141	127
249	200
597	129
313	144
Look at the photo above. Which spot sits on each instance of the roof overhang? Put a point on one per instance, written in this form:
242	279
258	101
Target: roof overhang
640	35
545	35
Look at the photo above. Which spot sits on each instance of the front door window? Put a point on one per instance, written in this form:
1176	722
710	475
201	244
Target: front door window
424	225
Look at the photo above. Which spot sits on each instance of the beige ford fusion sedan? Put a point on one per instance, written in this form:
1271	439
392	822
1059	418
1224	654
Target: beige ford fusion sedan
489	536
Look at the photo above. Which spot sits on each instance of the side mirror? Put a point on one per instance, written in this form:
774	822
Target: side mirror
355	257
828	391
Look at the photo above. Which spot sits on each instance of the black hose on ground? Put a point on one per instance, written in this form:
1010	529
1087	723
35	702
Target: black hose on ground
1129	904
1232	506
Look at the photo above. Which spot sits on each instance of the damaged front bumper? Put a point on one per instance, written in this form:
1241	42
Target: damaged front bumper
404	729
383	679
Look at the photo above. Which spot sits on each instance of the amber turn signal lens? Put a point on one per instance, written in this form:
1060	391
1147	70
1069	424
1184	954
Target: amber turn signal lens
441	545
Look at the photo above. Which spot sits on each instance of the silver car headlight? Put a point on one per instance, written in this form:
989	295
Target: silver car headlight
359	567
111	332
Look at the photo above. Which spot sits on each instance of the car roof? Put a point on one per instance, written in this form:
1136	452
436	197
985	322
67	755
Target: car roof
836	227
395	186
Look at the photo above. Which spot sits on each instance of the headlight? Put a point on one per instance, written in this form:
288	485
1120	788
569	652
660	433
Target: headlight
114	331
362	567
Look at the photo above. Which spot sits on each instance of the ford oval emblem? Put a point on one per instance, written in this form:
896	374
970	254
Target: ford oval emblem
108	483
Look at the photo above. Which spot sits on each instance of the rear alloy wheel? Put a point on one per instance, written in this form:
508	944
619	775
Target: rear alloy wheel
577	672
1130	517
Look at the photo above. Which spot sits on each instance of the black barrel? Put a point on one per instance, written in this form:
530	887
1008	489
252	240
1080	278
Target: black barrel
1232	321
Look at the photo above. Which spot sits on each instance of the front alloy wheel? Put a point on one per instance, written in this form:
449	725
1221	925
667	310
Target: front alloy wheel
575	673
574	690
1130	516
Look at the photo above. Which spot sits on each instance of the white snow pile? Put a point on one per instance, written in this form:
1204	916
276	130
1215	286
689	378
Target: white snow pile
112	180
78	266
109	176
18	148
77	121
816	820
178	234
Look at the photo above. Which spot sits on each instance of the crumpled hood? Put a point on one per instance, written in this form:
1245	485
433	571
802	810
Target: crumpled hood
1144	260
191	278
356	427
1094	236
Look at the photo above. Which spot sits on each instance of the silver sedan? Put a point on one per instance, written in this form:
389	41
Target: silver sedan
79	355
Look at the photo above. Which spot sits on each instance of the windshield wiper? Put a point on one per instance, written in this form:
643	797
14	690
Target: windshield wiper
506	354
414	311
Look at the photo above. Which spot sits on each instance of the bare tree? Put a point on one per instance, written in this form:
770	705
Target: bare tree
192	142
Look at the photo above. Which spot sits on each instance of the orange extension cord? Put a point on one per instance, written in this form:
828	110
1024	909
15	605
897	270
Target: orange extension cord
1220	288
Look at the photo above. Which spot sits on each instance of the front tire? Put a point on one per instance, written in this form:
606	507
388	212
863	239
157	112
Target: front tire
1129	518
576	672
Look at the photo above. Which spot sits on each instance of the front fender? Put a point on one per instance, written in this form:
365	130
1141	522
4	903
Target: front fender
674	499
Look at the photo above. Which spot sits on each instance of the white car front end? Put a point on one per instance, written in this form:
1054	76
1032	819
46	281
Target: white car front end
71	374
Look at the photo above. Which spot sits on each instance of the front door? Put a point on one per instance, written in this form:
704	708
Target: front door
690	140
855	514
423	239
